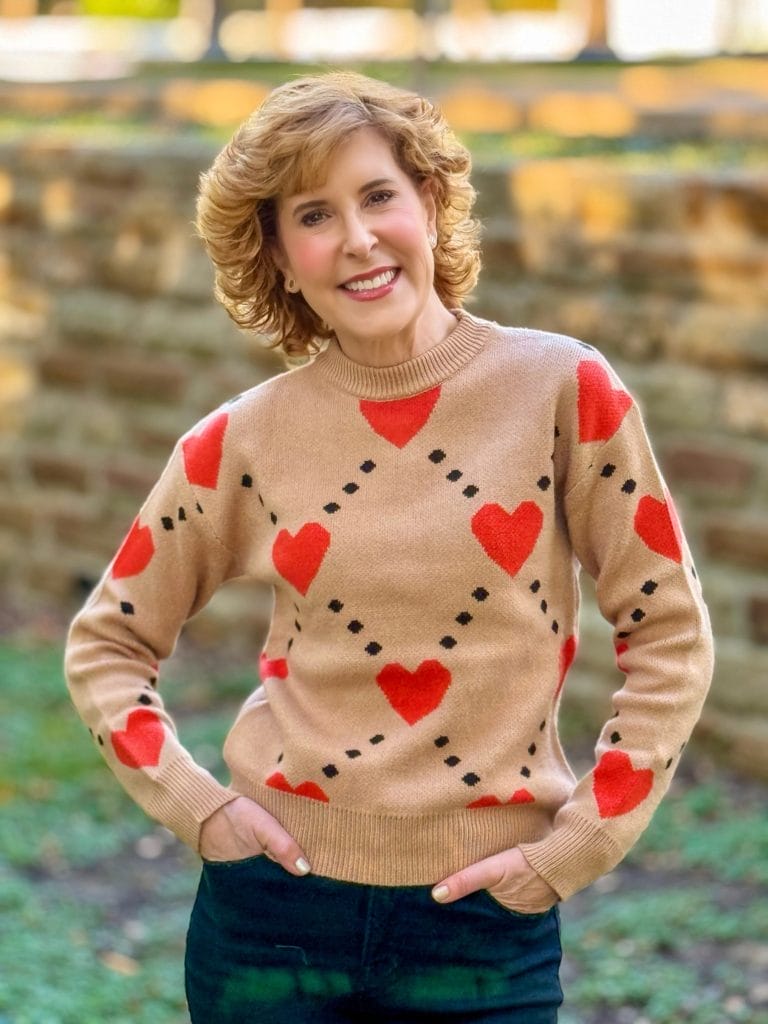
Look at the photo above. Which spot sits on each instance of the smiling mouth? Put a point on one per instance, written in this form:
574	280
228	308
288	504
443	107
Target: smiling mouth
370	284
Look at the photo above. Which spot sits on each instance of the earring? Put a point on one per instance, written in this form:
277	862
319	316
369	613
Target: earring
432	239
290	285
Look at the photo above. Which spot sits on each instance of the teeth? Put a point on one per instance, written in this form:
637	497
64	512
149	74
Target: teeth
371	283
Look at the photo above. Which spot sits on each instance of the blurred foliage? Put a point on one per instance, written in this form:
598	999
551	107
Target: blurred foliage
147	9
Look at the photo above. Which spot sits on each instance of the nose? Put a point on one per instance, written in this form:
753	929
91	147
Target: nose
359	240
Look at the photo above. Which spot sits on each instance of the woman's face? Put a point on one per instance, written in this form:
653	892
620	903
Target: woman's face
357	246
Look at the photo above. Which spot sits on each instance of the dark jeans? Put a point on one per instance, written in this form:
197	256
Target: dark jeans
265	947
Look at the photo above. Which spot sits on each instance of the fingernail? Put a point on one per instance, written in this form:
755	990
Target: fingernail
440	893
302	866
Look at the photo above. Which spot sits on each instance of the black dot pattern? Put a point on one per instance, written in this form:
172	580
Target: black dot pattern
330	771
615	737
471	779
335	605
127	608
437	455
442	741
608	470
375	740
246	480
649	587
480	593
629	486
167	522
543	483
145	699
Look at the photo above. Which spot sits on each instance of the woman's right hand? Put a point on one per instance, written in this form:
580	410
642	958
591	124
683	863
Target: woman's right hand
242	828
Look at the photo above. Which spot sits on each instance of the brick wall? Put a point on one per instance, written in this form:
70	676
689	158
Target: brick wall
111	346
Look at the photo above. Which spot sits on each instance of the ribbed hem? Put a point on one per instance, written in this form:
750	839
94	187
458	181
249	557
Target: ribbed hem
387	849
185	796
573	856
415	375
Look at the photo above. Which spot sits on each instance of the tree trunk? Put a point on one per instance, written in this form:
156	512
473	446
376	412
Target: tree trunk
596	46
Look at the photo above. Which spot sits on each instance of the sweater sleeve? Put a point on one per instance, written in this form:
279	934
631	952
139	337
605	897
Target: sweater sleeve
625	533
168	567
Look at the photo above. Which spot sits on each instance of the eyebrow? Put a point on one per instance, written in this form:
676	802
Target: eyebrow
376	183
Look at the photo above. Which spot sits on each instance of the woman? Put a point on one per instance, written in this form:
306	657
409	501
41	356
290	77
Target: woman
418	495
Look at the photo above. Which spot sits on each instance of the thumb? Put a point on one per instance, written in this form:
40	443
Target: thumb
482	875
280	846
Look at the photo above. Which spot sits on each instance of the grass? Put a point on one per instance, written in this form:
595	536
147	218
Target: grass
94	898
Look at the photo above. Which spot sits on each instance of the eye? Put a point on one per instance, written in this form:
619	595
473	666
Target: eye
312	218
381	196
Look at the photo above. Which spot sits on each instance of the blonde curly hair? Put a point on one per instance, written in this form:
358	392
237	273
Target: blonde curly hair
284	148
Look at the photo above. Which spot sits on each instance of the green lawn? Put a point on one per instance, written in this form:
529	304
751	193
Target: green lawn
94	898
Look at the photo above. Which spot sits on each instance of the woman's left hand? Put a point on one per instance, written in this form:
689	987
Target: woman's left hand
508	877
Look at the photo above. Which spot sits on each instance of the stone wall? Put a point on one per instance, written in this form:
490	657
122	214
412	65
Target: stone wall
111	346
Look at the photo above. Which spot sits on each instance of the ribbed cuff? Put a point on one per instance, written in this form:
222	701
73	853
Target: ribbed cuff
185	797
572	856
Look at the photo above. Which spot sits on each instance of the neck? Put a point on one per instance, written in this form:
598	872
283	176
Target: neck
433	326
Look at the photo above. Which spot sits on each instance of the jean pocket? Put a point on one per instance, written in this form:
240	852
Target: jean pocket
230	865
539	916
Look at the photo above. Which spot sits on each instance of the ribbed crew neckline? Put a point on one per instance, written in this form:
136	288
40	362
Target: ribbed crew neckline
401	380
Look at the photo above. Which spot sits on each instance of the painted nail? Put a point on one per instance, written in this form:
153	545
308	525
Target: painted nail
302	866
440	893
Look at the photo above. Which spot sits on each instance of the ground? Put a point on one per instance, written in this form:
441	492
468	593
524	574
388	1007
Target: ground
95	898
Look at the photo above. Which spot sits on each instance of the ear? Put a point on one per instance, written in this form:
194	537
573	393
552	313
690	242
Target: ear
279	257
427	191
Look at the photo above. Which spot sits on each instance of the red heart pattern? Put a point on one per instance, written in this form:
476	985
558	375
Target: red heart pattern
203	451
618	786
400	420
601	406
308	789
140	743
272	668
298	558
135	552
508	538
413	695
567	654
658	527
520	796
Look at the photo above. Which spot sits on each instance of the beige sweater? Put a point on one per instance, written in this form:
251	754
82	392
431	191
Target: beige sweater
422	527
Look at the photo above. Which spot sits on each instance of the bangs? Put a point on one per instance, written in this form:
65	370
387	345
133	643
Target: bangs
318	142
